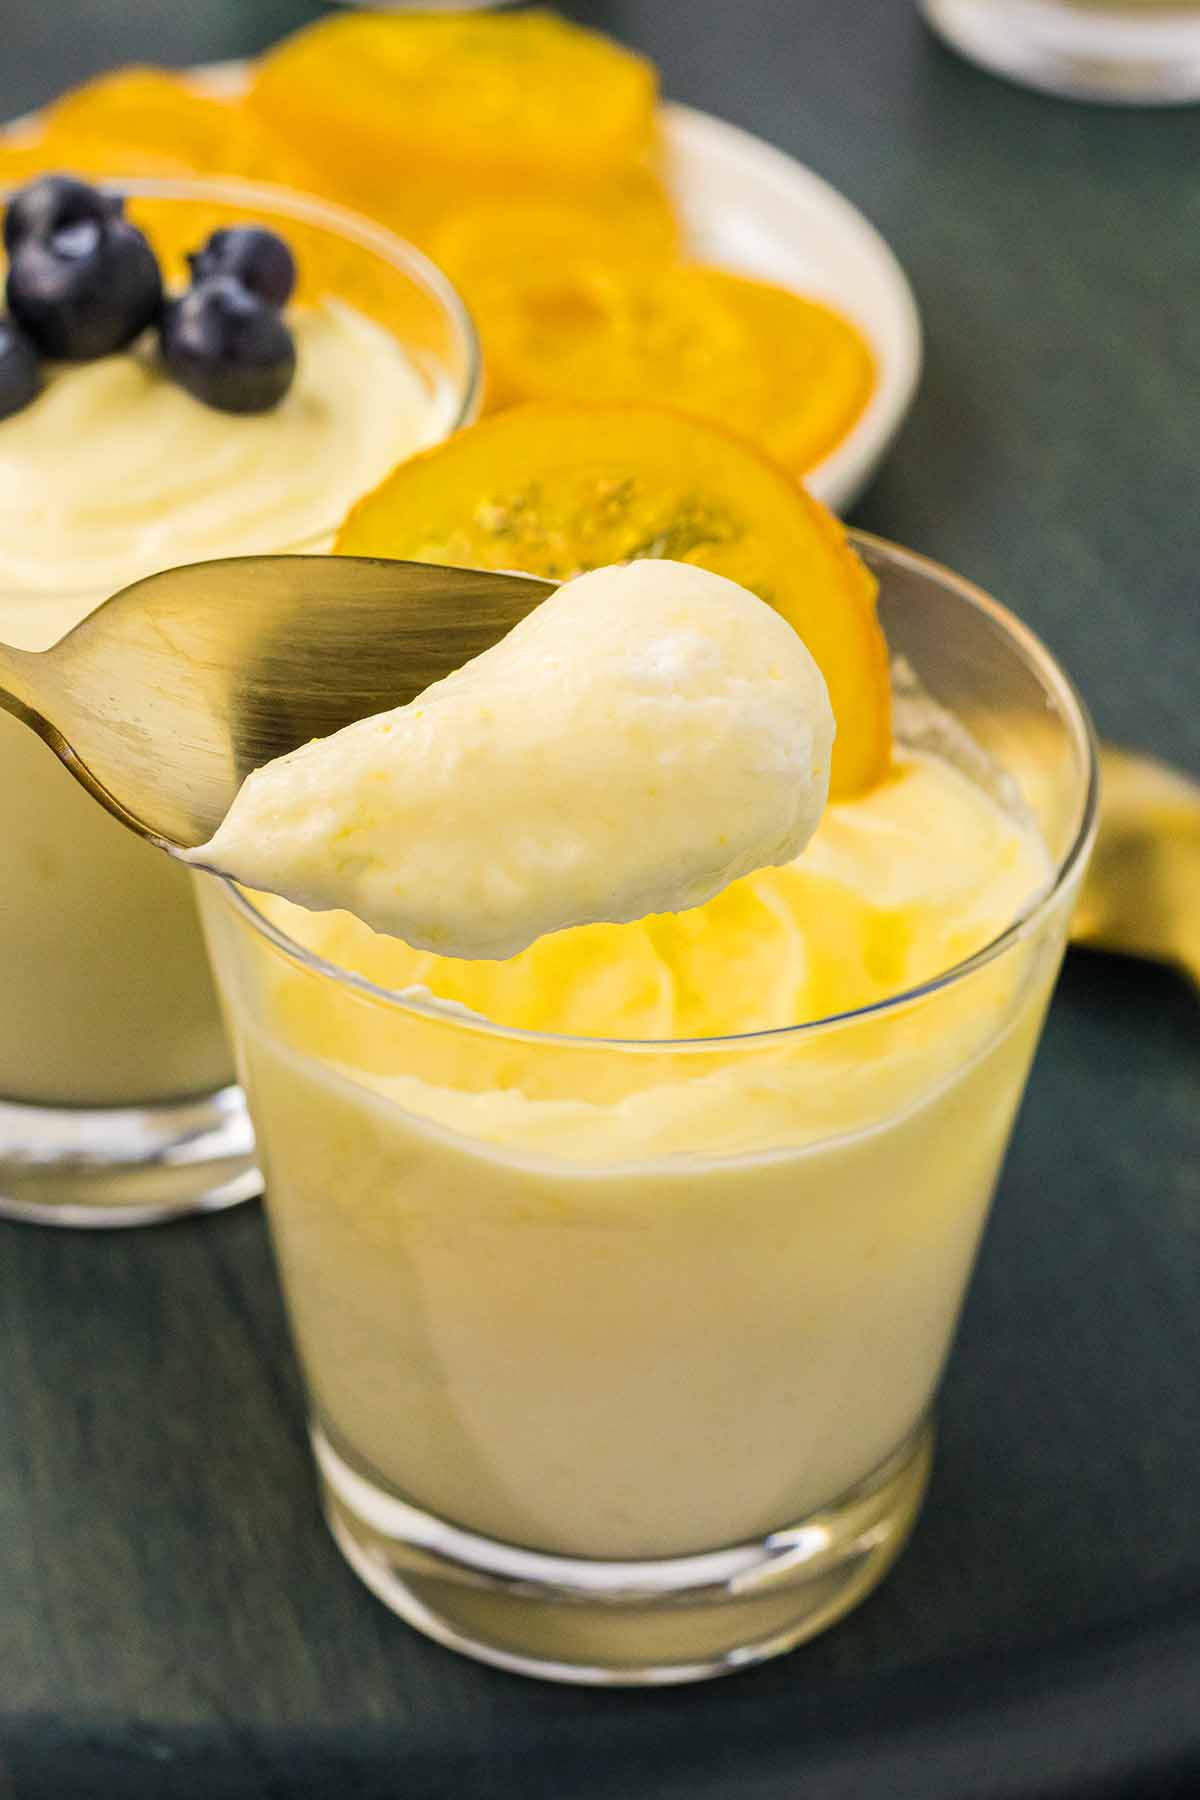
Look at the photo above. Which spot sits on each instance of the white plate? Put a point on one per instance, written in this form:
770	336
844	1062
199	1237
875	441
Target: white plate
753	208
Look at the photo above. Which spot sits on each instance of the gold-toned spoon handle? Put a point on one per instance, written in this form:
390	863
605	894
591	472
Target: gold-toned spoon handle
1142	893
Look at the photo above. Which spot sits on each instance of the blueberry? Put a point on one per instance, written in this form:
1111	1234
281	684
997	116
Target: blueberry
228	347
87	289
261	261
51	202
20	377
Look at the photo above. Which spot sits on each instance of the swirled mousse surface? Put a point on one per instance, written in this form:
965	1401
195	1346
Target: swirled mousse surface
895	888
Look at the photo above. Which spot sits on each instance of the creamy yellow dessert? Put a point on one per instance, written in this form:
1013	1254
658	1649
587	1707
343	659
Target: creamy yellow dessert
112	473
626	1299
645	736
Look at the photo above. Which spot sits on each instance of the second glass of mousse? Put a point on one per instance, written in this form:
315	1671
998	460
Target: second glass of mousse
117	1095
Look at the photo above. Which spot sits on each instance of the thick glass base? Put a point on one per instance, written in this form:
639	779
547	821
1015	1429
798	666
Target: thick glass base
102	1167
612	1624
1132	54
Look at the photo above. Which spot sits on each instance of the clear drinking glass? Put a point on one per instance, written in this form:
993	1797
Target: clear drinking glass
620	1418
117	1096
1125	52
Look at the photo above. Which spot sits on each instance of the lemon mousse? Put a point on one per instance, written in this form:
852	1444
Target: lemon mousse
645	736
622	1300
111	473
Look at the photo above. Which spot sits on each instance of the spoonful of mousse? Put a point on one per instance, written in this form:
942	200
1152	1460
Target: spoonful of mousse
464	759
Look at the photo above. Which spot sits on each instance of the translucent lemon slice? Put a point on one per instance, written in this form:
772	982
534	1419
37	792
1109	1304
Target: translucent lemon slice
554	490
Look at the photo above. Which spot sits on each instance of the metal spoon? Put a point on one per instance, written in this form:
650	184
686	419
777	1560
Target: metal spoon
165	697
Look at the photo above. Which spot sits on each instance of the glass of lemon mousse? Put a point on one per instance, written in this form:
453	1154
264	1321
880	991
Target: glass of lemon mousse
117	1095
623	1271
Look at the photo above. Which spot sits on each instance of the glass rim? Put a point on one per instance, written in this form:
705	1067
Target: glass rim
340	221
1078	721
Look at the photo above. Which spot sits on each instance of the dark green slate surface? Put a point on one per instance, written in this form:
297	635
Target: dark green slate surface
162	1566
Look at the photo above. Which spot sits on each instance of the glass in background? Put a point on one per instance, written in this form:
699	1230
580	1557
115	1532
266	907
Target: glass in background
117	1097
1124	52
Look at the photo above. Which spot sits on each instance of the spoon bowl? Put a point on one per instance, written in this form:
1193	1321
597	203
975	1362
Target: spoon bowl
165	697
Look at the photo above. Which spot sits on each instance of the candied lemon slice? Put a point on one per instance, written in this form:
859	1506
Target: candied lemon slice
555	490
569	306
168	114
488	250
573	308
143	121
543	110
822	371
492	256
469	90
